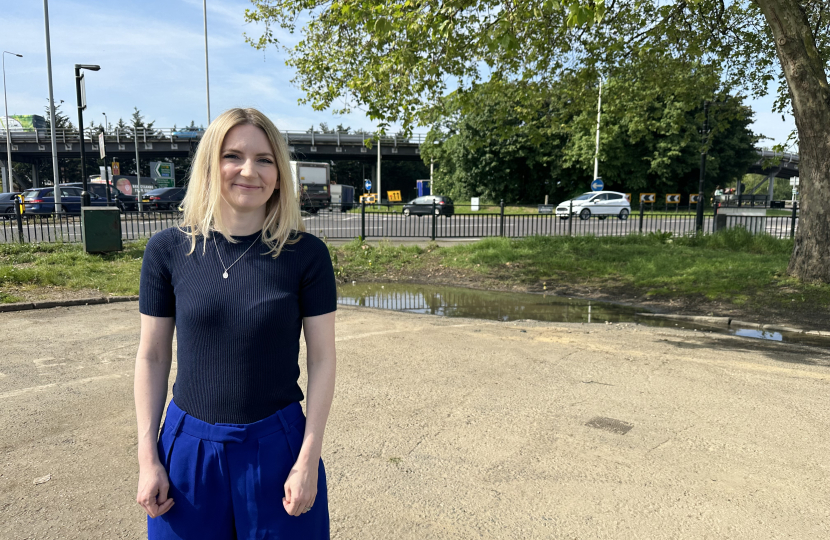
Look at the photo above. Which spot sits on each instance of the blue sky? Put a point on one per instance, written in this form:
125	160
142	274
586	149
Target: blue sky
151	54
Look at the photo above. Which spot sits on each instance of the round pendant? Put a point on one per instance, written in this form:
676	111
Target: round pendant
225	275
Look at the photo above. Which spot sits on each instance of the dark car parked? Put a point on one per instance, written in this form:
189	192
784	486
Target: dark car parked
7	201
121	200
42	200
163	198
424	205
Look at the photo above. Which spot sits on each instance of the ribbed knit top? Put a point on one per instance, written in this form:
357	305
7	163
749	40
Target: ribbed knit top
238	339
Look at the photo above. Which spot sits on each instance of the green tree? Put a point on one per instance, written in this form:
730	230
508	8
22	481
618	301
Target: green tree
398	59
494	145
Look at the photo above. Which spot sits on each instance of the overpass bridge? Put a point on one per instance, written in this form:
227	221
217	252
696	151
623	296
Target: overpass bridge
31	145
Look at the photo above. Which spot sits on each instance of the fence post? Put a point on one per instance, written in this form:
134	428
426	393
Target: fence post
18	217
363	220
501	219
434	220
792	220
642	211
571	218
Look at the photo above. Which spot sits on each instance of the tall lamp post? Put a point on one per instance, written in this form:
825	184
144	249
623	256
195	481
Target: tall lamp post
55	171
8	135
81	106
207	73
106	124
599	116
703	151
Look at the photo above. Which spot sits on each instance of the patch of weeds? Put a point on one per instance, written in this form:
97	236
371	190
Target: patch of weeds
395	460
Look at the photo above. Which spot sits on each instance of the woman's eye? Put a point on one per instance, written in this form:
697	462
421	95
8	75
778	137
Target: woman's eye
230	156
266	160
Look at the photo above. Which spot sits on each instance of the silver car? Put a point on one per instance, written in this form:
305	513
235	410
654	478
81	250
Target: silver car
596	203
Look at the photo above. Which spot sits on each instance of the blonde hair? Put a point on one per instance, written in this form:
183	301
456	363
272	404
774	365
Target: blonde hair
204	190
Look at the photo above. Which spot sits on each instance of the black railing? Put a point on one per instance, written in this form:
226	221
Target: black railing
431	222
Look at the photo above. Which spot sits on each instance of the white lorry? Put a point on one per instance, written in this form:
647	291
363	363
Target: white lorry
311	184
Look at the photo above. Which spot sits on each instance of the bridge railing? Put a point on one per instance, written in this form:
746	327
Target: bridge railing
118	135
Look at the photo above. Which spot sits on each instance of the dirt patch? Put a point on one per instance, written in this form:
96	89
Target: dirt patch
48	293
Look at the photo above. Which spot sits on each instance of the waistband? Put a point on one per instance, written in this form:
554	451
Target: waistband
282	420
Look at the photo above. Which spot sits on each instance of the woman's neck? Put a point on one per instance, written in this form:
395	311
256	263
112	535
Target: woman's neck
242	224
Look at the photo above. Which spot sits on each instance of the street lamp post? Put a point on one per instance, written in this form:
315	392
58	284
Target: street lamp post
705	133
55	174
8	134
81	107
599	116
207	73
106	123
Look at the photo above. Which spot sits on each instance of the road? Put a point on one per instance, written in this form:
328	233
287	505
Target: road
457	429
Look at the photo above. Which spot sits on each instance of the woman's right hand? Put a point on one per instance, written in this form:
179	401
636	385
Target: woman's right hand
153	485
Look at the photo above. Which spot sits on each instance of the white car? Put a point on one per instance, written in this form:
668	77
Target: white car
596	203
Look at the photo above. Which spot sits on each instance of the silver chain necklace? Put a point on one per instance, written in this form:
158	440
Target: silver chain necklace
225	274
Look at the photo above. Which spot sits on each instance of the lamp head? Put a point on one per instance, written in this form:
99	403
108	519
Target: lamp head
89	67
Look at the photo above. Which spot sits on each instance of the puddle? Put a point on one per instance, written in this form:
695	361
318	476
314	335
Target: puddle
505	306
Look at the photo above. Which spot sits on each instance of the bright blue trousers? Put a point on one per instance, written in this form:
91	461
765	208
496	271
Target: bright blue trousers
227	479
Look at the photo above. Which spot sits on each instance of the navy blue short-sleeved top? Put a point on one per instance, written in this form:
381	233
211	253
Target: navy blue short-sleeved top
238	339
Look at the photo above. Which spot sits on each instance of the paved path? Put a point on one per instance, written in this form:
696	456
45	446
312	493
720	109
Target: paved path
457	429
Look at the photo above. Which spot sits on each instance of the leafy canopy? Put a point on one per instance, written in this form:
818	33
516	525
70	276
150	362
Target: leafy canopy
397	59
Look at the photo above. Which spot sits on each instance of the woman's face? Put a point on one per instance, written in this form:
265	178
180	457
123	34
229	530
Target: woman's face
248	169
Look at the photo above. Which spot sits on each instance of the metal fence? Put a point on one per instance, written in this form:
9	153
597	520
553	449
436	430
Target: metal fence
436	222
32	228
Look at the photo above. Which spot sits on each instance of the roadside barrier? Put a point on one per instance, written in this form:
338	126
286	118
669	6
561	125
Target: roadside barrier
435	221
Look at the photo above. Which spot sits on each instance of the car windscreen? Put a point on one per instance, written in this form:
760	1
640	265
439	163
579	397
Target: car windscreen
584	197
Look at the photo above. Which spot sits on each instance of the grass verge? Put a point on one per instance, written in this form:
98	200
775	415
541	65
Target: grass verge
67	266
730	273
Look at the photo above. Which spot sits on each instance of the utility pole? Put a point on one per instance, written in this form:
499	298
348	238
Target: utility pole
207	73
10	174
379	197
55	173
705	137
599	116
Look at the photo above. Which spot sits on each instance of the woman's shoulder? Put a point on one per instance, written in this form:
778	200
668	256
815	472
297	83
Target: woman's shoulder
166	240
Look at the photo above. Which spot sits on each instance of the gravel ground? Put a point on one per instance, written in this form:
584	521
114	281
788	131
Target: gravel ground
458	428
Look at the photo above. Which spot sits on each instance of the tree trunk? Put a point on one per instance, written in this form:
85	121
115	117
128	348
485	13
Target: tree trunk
810	95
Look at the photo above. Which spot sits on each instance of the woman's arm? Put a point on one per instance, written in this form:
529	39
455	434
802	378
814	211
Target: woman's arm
152	370
301	485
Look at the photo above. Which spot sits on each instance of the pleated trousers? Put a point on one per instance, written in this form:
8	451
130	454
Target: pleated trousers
227	479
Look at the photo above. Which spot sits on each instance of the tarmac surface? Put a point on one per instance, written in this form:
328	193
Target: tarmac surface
457	428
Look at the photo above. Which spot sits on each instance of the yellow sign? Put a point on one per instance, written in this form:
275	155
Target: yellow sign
116	168
394	196
673	198
694	198
648	197
369	199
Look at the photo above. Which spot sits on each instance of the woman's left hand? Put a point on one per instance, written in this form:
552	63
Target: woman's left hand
300	488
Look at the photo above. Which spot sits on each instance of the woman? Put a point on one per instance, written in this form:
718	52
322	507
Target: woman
238	281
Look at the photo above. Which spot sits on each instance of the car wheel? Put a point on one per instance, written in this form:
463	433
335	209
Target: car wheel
585	214
563	218
314	210
406	212
624	214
